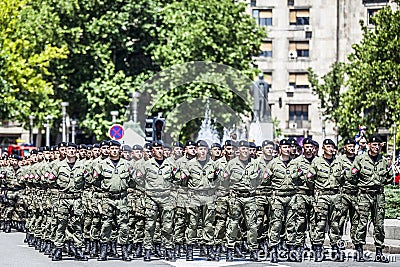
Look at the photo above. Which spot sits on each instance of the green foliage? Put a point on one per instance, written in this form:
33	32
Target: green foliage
24	66
392	196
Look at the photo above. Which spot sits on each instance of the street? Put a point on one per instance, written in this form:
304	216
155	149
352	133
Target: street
16	253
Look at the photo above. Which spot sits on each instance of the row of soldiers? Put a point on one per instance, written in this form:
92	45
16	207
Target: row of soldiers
91	198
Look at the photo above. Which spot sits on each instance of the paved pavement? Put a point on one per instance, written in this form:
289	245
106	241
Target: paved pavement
15	253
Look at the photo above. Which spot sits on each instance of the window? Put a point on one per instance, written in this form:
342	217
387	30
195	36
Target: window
253	3
266	49
372	12
299	17
301	47
263	17
290	2
268	78
298	116
299	80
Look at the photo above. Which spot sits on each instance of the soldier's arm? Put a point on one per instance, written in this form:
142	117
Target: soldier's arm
355	170
388	174
312	171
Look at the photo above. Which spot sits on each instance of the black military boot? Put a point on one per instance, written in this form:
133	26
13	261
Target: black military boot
203	250
94	249
217	252
23	228
178	250
7	227
72	249
359	253
87	247
238	251
337	254
229	254
79	255
139	250
43	246
299	253
170	254
113	250
211	253
158	252
125	253
254	255
245	247
318	253
31	241
274	254
27	236
291	254
47	250
103	252
189	252
38	243
57	256
379	257
147	253
2	224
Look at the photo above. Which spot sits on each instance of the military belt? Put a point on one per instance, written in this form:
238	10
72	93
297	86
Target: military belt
305	192
202	192
284	193
63	195
263	192
115	196
350	191
372	191
328	191
243	193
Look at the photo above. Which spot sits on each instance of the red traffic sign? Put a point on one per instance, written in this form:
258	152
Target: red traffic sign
116	132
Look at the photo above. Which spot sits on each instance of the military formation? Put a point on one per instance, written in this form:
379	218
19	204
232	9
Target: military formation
233	200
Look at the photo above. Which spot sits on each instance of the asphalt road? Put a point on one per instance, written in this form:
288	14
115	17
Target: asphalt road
14	252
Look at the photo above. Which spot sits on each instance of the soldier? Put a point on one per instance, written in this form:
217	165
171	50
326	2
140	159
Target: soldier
82	151
243	177
216	151
180	212
349	190
126	152
157	176
252	150
115	176
263	197
177	150
167	150
199	175
283	176
305	199
259	151
326	173
137	152
222	201
293	148
371	172
69	175
147	151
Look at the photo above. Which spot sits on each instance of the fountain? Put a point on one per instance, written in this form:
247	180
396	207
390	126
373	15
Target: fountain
207	131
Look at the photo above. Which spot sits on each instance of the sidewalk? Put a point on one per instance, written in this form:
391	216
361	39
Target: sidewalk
392	237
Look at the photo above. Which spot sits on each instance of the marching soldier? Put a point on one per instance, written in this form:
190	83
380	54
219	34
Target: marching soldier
326	173
216	151
69	177
157	175
283	176
243	176
115	176
371	172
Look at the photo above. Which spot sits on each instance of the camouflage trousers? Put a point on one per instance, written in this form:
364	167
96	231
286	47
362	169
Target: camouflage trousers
327	211
201	214
371	204
263	215
283	216
349	206
95	227
238	206
87	212
305	218
159	208
137	216
69	214
221	219
114	213
181	220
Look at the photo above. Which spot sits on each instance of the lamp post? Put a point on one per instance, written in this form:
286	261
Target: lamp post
64	106
47	125
394	141
135	100
73	125
114	115
31	118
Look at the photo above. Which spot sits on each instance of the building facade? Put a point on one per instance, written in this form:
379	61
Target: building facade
306	34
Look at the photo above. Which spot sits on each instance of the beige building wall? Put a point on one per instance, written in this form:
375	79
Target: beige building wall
327	29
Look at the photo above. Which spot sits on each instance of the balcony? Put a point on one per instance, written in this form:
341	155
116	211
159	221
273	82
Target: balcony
298	124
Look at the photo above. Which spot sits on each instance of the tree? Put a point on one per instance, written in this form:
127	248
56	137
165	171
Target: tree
372	79
211	31
24	66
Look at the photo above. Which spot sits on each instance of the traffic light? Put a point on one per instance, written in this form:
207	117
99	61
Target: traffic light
149	129
154	129
158	128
